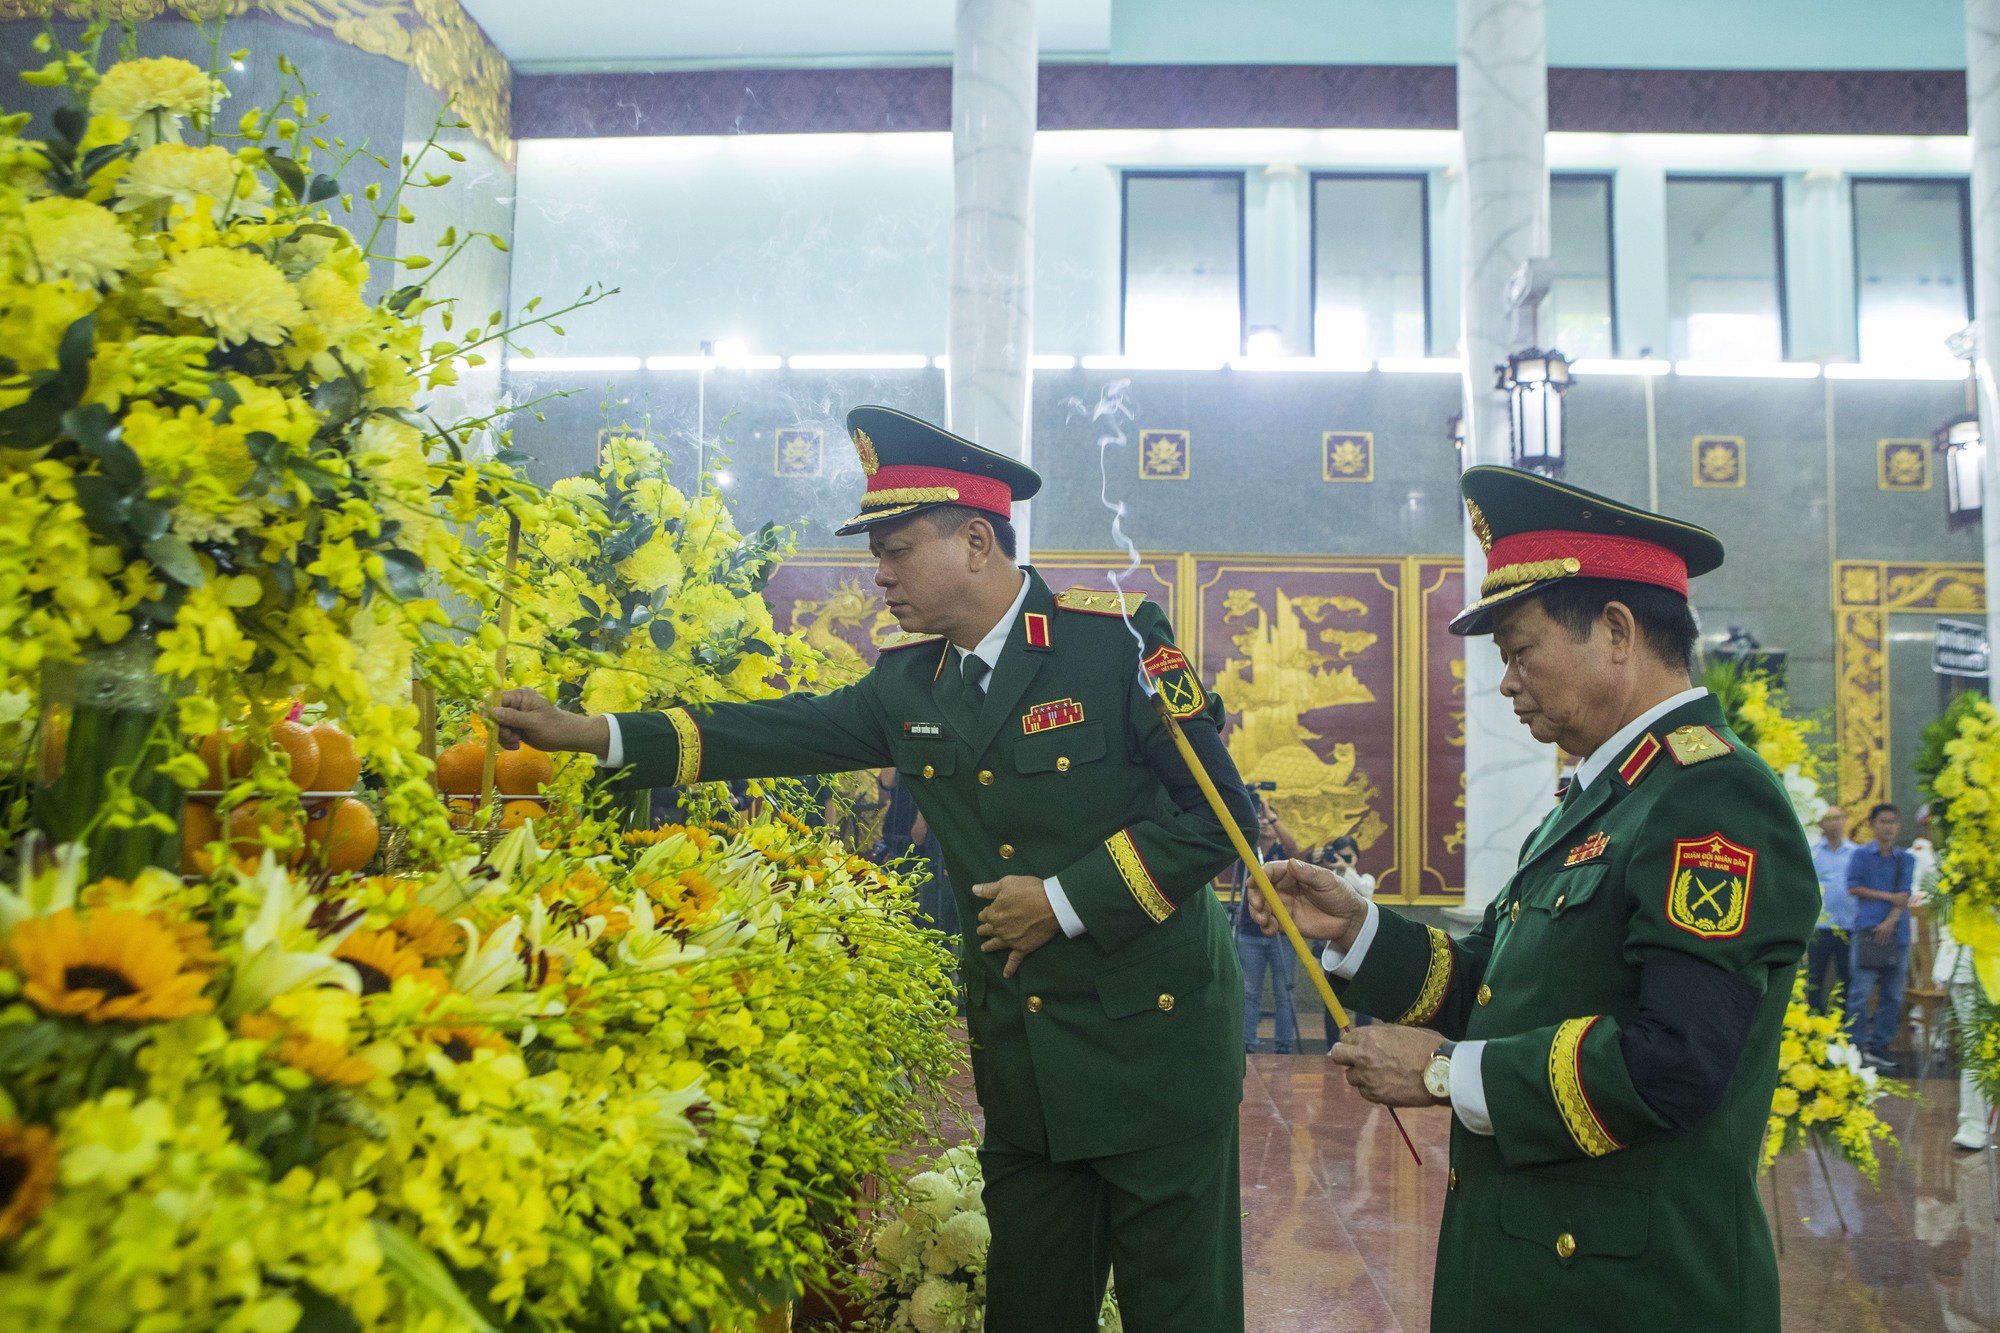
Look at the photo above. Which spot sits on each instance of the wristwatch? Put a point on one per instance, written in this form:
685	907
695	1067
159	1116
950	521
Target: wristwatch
1437	1074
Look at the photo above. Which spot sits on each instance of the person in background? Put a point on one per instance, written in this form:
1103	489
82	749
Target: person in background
1925	851
1880	877
1344	854
1265	955
1830	942
1952	969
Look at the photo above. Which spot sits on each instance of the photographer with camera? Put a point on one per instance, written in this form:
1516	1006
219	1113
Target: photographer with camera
1262	954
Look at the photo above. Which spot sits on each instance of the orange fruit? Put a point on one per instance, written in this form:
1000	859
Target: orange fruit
211	751
460	767
516	813
339	766
462	811
343	835
256	824
298	746
198	830
523	771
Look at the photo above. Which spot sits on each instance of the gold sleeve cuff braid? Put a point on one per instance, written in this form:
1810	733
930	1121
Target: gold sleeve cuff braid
1566	1082
689	735
1132	867
1437	980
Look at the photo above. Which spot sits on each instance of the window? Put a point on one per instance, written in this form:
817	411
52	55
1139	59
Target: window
1371	266
1725	269
1183	265
1580	314
1912	261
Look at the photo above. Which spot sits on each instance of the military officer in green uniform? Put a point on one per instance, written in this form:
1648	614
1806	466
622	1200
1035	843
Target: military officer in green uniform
1607	1038
1104	1001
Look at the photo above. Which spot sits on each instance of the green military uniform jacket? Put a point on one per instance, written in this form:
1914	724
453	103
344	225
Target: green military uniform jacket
1128	1036
1586	1209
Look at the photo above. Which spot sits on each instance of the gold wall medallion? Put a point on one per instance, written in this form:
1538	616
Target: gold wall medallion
1720	460
1347	455
1164	455
1902	465
796	452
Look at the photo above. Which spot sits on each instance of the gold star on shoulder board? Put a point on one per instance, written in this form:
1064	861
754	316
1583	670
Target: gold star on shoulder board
1696	745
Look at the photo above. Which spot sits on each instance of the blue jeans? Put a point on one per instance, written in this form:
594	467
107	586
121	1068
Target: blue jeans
1260	954
1828	948
1889	981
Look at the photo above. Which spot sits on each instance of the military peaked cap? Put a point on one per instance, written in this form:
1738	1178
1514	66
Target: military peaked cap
913	466
1537	532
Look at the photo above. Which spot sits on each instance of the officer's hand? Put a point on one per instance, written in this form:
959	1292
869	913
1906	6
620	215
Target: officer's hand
1321	902
1385	1063
1017	918
524	715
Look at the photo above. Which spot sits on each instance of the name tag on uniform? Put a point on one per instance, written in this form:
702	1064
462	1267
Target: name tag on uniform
1588	850
1047	717
923	730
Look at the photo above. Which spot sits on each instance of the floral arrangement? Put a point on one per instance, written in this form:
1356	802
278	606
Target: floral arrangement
214	473
538	1091
1825	1093
1966	795
1755	707
927	1268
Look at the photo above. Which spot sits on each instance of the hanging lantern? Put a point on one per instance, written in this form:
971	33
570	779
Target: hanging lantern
1535	382
1454	429
1964	468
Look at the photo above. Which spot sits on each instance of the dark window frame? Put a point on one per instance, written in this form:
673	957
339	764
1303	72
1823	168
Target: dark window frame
1423	180
1126	177
1777	184
1964	184
1610	179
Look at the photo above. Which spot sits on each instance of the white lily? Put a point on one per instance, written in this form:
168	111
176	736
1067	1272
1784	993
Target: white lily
648	948
273	964
667	1119
43	891
488	966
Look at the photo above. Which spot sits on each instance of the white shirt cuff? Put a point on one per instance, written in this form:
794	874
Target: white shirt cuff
1066	916
614	754
1345	965
1468	1088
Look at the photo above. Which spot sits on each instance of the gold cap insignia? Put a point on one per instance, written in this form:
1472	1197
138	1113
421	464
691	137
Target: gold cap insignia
1696	745
866	448
1479	528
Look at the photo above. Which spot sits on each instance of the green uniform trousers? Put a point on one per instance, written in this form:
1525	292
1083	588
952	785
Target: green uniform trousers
1167	1219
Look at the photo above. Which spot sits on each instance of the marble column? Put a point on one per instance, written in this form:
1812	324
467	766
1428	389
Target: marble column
1503	119
1982	117
991	306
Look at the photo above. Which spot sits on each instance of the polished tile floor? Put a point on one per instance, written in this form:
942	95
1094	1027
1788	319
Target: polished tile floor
1340	1225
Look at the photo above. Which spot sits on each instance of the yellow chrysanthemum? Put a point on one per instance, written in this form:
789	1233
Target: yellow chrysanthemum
74	239
654	565
179	175
112	965
241	296
162	85
333	302
27	1174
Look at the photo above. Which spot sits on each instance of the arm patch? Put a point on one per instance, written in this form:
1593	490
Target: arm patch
1708	889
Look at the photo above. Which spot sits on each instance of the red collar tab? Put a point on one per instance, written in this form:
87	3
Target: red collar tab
1585	555
1037	626
907	484
1639	760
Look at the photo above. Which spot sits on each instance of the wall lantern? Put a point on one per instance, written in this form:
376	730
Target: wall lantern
1454	429
1964	468
1535	382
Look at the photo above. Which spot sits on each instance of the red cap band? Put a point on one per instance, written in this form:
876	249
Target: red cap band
1597	557
920	485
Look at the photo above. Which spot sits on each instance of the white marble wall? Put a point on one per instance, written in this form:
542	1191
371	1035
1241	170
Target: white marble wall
1982	94
990	314
1503	117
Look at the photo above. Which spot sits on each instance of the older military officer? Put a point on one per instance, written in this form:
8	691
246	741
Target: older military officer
1104	999
1607	1038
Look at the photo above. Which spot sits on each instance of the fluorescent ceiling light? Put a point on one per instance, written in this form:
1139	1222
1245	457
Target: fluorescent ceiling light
1152	363
1749	370
561	365
680	363
1048	362
1421	365
749	363
1620	366
1302	363
1898	370
859	362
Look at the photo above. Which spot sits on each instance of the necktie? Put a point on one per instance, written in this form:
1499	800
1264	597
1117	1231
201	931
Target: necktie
975	679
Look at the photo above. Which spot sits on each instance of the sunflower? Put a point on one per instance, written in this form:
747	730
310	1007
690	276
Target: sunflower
458	1043
327	1061
381	957
430	935
112	965
27	1174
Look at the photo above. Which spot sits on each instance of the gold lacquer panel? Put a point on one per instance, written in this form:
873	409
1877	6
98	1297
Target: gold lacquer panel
1437	682
1305	654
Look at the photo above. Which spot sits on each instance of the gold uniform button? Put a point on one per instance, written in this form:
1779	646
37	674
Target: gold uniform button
1451	1179
1565	1245
1561	898
1062	764
1006	851
1485	994
1514	912
1034	1004
1166	1004
985	777
930	771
